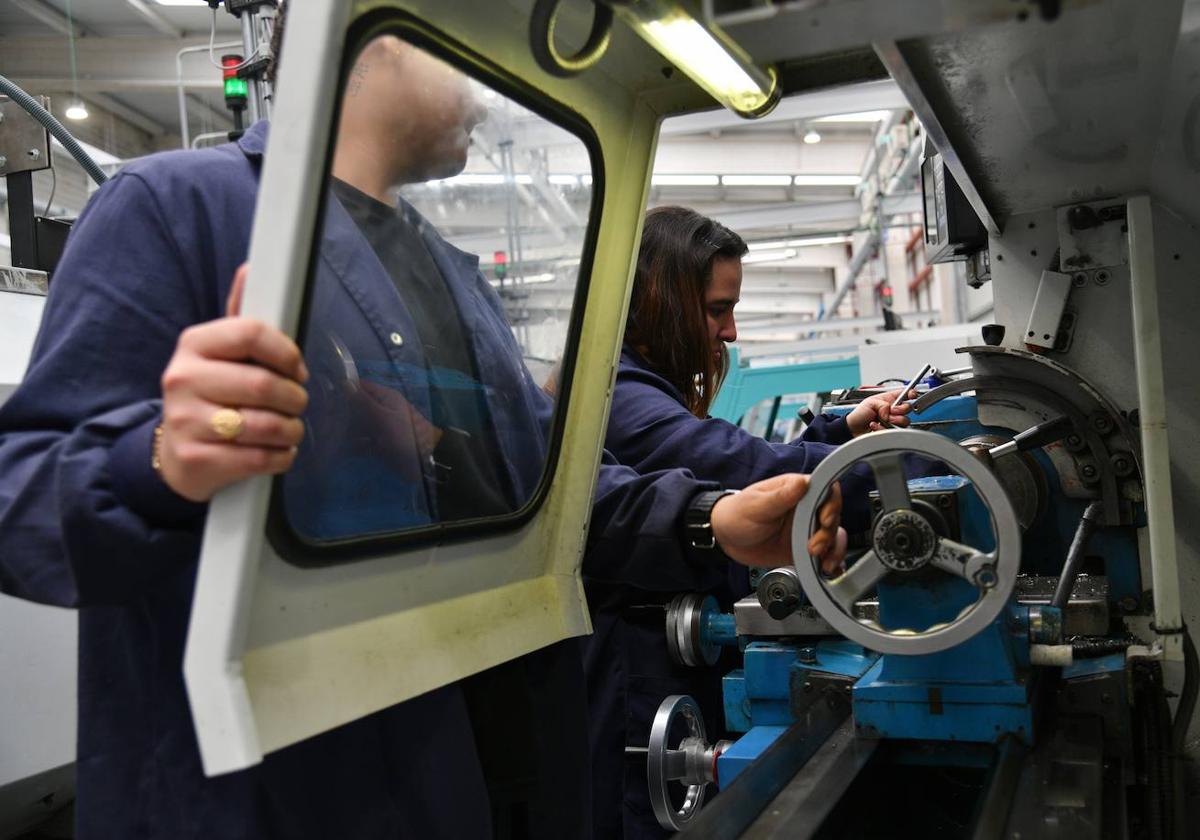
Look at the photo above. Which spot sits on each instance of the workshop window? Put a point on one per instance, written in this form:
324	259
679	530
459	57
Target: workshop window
454	224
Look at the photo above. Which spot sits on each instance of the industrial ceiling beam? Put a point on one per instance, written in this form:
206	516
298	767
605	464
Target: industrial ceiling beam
155	19
197	105
869	96
109	84
816	213
104	64
50	16
772	331
806	281
131	115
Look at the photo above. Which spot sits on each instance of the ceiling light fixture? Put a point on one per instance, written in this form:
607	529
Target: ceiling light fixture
685	180
756	180
769	256
826	180
806	242
706	54
76	110
856	117
812	136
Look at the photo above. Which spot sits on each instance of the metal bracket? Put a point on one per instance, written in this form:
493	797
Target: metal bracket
24	142
807	688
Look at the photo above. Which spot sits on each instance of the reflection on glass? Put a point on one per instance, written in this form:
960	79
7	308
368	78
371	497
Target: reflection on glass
445	273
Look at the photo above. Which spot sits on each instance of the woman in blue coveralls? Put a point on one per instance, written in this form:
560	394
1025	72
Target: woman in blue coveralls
146	394
681	316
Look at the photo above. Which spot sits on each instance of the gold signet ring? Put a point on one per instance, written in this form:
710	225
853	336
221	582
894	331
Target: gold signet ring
227	423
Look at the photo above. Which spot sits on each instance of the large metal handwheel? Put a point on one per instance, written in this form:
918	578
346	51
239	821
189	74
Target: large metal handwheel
903	542
692	762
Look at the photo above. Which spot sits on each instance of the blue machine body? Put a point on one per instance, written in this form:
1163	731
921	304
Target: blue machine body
760	692
973	693
976	691
744	752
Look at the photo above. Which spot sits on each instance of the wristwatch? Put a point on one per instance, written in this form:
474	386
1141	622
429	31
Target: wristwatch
697	519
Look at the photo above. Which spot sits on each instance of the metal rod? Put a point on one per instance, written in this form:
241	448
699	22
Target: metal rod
249	50
857	263
1152	422
1070	569
908	388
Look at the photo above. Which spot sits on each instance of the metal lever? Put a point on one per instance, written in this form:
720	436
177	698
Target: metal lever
1040	435
907	389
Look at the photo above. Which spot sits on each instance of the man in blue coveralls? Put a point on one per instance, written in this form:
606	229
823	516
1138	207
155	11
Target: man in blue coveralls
146	394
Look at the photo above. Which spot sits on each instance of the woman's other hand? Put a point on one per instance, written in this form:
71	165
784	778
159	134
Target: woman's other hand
876	412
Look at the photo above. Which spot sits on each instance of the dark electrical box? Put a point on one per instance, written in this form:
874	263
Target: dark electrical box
952	230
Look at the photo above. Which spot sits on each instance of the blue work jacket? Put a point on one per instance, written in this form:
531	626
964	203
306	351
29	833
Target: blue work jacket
629	669
86	522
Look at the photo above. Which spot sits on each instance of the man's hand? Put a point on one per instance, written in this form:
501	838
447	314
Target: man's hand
876	412
238	363
754	527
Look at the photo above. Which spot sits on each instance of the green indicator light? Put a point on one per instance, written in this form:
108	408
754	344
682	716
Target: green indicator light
235	87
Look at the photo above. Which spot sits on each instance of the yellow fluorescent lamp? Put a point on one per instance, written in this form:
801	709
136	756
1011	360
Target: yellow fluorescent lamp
705	54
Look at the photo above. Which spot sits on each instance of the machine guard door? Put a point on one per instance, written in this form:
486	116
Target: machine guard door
278	652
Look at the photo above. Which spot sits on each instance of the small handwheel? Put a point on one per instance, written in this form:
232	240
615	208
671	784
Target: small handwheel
691	762
685	636
904	542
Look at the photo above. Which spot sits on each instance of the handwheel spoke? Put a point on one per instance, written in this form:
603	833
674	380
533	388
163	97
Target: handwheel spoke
951	557
856	581
890	481
675	765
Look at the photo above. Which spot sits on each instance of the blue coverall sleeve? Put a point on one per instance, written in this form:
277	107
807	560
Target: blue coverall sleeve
84	518
635	535
825	428
649	429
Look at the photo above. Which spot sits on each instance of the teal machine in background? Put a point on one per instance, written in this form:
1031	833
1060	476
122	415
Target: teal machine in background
746	386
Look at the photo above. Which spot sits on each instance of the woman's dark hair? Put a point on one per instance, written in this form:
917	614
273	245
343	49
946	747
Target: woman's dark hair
667	323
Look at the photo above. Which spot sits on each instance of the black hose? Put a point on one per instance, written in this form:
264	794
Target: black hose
541	39
35	109
1086	647
1070	569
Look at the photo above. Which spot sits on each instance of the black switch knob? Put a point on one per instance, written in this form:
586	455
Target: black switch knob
993	334
1082	217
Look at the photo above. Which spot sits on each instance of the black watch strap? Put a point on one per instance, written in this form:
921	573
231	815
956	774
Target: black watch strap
697	519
